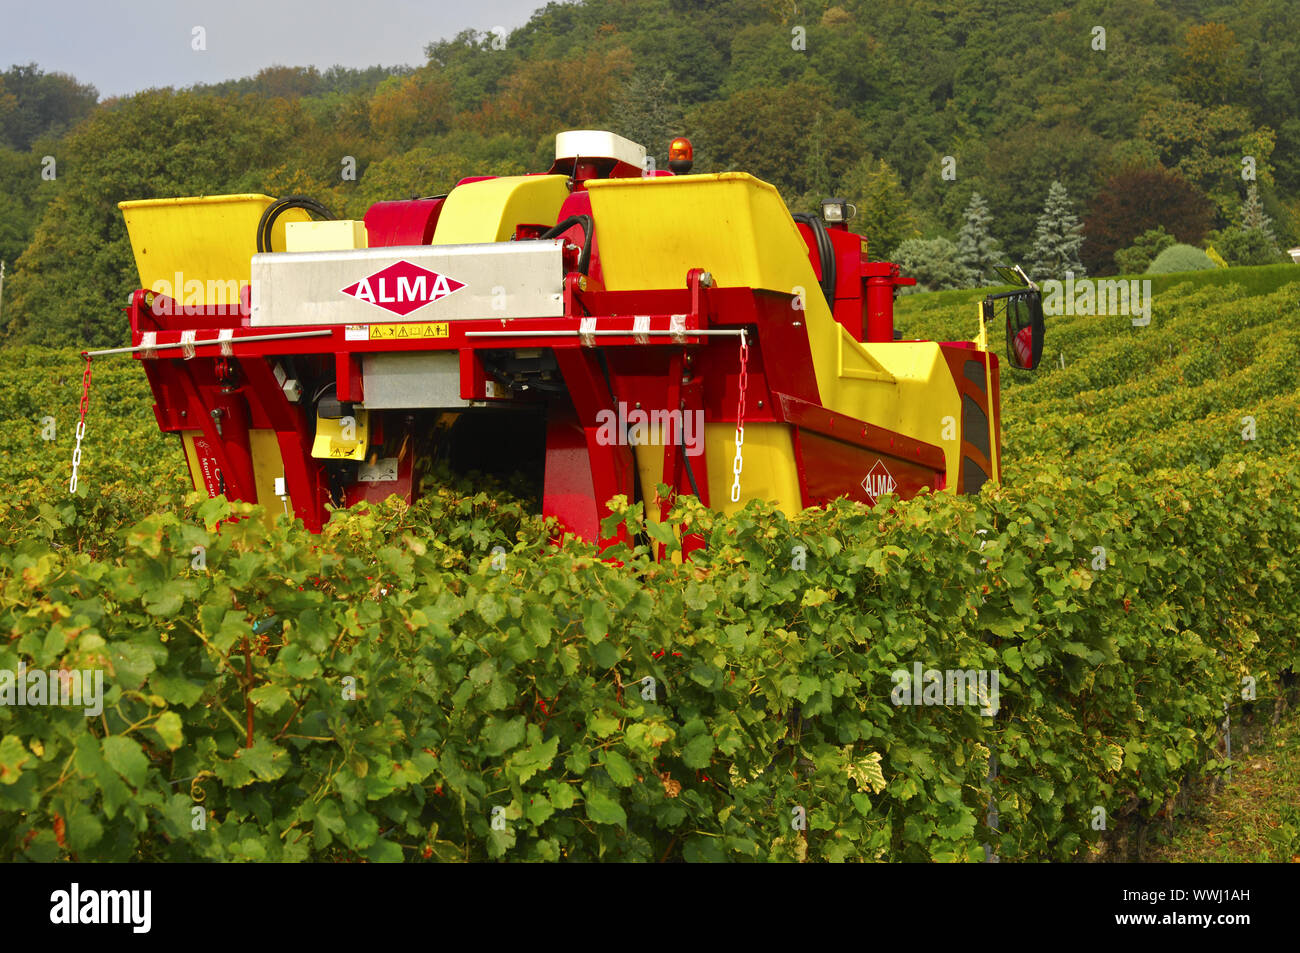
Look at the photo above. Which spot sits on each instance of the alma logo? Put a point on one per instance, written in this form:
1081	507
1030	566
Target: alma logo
73	906
403	287
878	482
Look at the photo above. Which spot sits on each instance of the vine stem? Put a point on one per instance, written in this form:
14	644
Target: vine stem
668	850
248	683
296	708
63	775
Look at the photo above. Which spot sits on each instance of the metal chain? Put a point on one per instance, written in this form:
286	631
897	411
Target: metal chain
739	462
81	426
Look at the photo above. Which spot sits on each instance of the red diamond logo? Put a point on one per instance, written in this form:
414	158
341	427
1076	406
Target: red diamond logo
878	482
403	287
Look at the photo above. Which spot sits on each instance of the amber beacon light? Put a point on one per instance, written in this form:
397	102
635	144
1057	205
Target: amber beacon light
681	156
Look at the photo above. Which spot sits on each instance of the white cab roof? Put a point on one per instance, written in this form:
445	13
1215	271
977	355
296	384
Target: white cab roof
596	144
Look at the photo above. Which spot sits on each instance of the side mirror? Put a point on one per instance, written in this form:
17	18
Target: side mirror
1024	311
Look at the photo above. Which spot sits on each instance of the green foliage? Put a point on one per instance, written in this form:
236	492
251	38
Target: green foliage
1210	63
128	467
405	693
1248	246
35	104
977	250
408	695
1057	238
1011	95
933	263
1180	258
1138	257
23	196
751	131
885	215
1202	142
1135	200
293	82
649	113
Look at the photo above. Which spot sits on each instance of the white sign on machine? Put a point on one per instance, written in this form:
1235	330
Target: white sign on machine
402	288
414	283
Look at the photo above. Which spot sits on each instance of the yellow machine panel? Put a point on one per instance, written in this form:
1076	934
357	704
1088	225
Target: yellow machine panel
652	231
921	401
769	471
489	210
337	439
192	458
267	468
197	250
337	235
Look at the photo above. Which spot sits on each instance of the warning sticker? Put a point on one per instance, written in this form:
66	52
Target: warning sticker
389	332
356	332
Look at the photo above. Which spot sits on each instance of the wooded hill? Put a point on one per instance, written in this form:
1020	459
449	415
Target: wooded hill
856	99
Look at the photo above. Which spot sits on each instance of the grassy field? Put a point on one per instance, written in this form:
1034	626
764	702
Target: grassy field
1253	818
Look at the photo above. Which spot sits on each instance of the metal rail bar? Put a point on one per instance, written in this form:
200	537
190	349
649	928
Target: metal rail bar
230	340
686	332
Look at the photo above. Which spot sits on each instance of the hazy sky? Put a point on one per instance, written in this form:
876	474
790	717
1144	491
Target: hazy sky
122	46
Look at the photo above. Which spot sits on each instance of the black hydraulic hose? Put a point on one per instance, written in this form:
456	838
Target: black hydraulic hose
686	458
587	229
825	253
273	211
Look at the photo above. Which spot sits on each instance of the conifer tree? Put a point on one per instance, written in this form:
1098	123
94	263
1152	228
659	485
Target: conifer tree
977	250
1253	216
1057	238
1253	242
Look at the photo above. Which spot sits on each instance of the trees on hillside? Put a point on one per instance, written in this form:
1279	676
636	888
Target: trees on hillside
933	263
885	214
1211	64
23	196
647	111
1057	238
543	96
868	101
1207	145
70	282
1019	168
753	131
34	104
1136	199
1253	242
407	109
977	250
